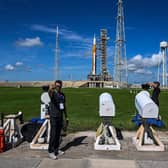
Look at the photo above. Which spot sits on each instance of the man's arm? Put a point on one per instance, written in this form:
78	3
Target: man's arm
50	91
151	84
65	109
65	113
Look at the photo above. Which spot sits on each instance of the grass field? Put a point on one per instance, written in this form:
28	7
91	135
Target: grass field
82	106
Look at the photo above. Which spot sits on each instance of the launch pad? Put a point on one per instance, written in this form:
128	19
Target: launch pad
104	75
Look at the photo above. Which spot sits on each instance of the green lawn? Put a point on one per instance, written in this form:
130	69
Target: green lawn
82	106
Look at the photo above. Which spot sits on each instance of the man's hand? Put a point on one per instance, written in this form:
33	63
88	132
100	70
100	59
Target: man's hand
50	91
66	122
51	86
149	83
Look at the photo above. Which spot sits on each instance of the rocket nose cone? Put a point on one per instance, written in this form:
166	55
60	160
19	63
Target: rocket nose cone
94	40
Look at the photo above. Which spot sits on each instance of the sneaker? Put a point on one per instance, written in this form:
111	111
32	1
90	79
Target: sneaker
60	152
52	156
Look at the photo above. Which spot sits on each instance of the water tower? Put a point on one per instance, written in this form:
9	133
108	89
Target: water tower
164	46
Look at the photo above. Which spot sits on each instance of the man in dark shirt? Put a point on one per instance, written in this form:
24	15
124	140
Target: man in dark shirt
156	92
56	111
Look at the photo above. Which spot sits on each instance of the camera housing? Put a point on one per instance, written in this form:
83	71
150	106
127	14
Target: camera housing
145	86
45	88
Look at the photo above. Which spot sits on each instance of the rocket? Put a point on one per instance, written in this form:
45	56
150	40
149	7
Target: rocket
94	56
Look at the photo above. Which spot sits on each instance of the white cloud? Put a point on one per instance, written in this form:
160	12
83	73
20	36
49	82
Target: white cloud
18	66
19	63
145	62
153	61
29	42
131	67
65	33
43	29
9	67
137	59
143	71
143	65
74	37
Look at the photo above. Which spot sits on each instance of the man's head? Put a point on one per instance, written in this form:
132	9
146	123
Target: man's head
58	85
145	86
156	84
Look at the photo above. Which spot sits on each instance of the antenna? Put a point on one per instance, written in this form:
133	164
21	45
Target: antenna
56	76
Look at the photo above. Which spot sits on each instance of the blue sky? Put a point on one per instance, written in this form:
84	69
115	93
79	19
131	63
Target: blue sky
27	37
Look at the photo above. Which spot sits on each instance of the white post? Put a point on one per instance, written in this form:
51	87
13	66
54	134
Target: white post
163	75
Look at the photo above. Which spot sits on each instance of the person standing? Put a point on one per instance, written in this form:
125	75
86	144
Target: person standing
56	111
156	92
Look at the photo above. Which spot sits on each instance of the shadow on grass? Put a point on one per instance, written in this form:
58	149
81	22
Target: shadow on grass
76	142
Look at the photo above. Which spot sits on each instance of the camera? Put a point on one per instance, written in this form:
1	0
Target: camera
145	86
45	88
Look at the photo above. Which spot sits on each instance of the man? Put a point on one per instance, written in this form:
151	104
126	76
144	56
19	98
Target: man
156	92
57	109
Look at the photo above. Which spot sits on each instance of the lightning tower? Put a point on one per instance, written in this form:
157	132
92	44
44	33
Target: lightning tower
56	69
120	60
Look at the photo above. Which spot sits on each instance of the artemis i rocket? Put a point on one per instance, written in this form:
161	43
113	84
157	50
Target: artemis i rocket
94	56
